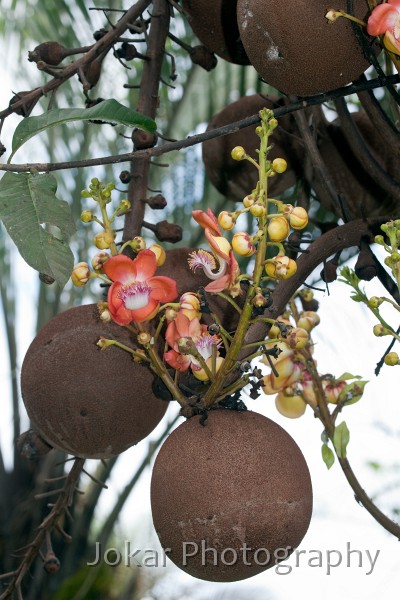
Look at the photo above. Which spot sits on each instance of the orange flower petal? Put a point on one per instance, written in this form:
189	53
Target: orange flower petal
120	268
383	17
163	288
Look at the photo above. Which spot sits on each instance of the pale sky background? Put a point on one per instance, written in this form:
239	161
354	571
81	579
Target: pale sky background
344	343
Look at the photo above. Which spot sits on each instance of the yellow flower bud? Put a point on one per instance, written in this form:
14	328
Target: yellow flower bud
80	274
138	243
160	253
281	267
279	165
375	302
297	338
226	220
98	261
278	229
104	239
190	305
242	245
292	407
238	153
298	218
308	320
86	216
257	210
392	359
143	338
248	201
202	375
379	330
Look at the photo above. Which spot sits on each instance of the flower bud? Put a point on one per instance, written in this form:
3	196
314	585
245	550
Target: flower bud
86	216
257	210
379	239
292	407
332	15
279	165
137	244
80	274
105	315
273	123
104	239
391	359
238	153
278	229
298	218
375	302
170	314
226	220
308	320
333	389
123	207
143	338
297	338
159	252
242	245
98	261
259	301
281	267
248	201
379	330
202	375
190	305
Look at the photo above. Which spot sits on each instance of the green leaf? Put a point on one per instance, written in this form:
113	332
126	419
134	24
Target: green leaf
27	201
347	376
352	392
341	437
327	455
108	110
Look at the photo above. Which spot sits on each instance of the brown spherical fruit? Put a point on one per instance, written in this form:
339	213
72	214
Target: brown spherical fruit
88	402
296	50
214	23
235	179
236	490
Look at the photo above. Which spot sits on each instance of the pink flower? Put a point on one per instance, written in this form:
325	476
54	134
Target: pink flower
182	329
225	273
385	20
135	294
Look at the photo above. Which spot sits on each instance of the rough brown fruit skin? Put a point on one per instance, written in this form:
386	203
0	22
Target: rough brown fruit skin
88	402
235	179
214	23
240	479
295	49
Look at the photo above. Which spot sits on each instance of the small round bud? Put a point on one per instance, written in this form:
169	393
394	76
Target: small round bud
391	359
292	407
238	153
298	218
87	216
379	239
123	207
375	302
98	261
248	201
278	229
281	267
259	300
170	314
259	130
143	338
160	253
245	366
242	245
190	305
297	338
273	123
226	220
104	239
105	315
80	274
51	564
308	320
257	210
379	330
279	165
138	243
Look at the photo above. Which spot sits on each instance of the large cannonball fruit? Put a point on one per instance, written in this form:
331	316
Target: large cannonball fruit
214	23
88	402
295	49
235	179
234	491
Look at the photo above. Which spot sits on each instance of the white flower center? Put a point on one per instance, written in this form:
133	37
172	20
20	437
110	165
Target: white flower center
135	295
204	345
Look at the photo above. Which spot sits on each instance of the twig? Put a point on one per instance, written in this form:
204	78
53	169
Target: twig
63	501
201	137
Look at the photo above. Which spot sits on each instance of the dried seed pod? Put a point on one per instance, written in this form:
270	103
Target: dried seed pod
144	139
157	202
168	232
203	57
51	53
